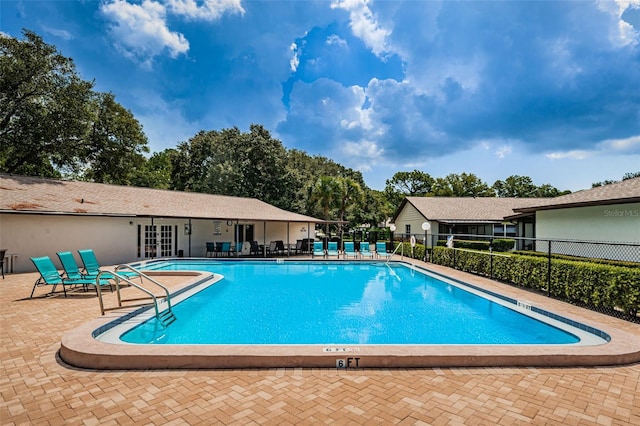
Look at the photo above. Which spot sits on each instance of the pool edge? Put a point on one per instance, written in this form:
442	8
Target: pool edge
80	349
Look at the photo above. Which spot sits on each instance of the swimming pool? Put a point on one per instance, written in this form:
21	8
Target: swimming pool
342	303
99	345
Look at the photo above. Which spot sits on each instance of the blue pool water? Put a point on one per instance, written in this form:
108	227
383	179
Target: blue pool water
338	303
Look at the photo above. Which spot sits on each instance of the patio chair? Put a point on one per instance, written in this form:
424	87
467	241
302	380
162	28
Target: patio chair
211	249
92	267
364	250
49	275
273	248
255	248
381	249
72	271
318	249
349	250
225	248
332	249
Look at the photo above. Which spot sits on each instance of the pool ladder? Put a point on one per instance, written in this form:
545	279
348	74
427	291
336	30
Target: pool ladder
165	316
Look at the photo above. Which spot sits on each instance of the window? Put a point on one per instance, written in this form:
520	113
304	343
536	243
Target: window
407	229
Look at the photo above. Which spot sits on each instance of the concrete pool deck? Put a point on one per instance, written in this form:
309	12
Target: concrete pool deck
37	387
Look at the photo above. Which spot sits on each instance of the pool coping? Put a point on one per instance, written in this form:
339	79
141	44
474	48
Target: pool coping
79	348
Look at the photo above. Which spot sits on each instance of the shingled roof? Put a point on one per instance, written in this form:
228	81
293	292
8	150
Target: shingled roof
626	191
21	194
467	209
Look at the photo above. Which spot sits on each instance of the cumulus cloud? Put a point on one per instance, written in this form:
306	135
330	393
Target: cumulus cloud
208	10
621	32
295	60
142	32
364	24
334	39
470	72
141	29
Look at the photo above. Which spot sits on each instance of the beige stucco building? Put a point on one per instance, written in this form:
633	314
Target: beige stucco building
39	217
482	216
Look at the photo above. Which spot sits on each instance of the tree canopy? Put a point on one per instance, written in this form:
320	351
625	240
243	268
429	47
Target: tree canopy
52	123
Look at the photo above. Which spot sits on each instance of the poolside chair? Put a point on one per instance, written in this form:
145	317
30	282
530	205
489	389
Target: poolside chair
211	249
318	249
381	250
49	275
92	267
72	271
255	248
226	248
273	248
349	250
332	249
364	250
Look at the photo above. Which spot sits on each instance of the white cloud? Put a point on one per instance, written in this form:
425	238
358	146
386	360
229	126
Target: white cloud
208	10
365	25
295	59
576	154
622	33
336	40
141	30
164	123
607	147
503	151
63	34
621	146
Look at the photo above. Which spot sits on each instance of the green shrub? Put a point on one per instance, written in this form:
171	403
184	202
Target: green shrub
594	284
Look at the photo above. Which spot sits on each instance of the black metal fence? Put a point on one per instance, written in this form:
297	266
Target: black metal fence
603	276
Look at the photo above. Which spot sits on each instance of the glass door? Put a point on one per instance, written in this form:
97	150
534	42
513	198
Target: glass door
150	241
166	240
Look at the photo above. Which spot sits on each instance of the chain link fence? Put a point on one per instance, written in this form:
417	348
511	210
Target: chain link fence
599	275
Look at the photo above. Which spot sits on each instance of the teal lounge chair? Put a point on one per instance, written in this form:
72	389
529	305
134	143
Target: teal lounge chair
92	267
71	269
364	250
49	275
381	250
332	249
318	249
349	250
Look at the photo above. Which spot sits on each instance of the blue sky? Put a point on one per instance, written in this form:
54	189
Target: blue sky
545	89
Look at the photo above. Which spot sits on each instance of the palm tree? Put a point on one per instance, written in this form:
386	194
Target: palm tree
324	192
350	193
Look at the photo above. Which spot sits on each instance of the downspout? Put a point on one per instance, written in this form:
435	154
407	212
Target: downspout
190	237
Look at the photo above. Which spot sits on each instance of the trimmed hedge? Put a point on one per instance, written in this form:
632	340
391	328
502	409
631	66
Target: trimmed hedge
580	259
597	285
499	244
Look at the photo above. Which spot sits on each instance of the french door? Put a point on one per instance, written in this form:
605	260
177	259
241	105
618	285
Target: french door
158	244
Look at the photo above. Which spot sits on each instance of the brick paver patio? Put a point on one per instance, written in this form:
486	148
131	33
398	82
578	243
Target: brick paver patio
36	387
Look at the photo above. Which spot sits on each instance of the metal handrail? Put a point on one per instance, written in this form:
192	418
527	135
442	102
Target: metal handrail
142	274
128	281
